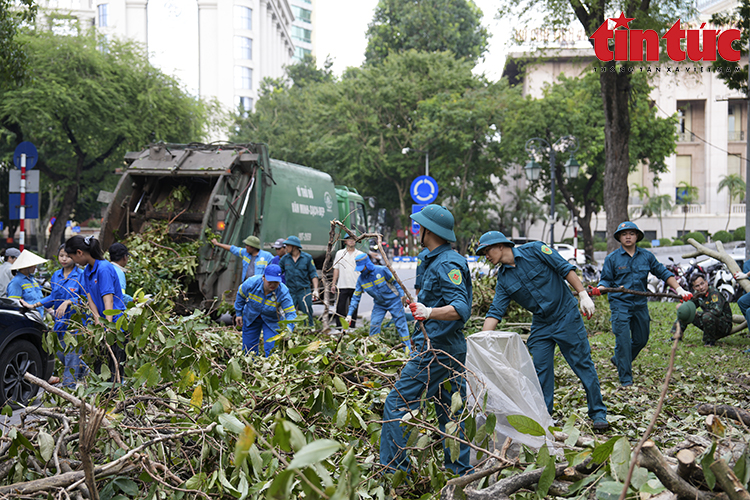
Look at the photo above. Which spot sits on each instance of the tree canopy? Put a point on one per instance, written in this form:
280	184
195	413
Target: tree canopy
13	60
732	73
426	26
90	100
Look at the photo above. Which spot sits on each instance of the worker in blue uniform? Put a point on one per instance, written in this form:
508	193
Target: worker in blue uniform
261	302
628	267
443	307
534	276
299	271
386	294
254	260
24	286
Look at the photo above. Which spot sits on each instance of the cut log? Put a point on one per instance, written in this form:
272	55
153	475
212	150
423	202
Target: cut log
728	481
651	459
503	489
688	470
737	414
718	254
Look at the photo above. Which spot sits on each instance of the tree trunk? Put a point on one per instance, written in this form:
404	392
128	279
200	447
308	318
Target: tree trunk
616	98
588	240
58	229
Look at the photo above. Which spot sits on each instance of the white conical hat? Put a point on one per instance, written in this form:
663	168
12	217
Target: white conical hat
27	259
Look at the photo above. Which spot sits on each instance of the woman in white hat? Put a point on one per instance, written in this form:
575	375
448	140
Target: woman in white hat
24	286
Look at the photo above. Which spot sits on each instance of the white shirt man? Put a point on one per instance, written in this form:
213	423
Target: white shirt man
345	278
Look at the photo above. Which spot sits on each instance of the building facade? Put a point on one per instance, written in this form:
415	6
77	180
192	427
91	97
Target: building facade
303	33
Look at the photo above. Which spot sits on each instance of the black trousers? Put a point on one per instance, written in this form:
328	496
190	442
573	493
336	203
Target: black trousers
342	306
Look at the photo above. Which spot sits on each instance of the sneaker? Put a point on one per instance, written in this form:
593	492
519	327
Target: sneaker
600	426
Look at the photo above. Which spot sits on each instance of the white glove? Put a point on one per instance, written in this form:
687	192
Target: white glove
315	295
740	276
420	311
587	305
682	292
348	321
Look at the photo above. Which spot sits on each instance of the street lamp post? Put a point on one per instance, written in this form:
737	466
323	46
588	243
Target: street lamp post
535	147
426	158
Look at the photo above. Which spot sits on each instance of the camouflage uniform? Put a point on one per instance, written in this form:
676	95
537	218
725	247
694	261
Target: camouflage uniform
714	317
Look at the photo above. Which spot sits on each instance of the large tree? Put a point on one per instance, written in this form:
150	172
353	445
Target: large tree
426	26
616	78
734	74
13	60
89	101
570	106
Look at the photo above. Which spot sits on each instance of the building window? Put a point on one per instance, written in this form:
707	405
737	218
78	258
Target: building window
684	125
243	77
103	15
301	34
300	53
301	14
735	164
243	18
243	47
243	104
734	122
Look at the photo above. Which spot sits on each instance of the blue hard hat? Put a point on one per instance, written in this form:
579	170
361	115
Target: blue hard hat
492	238
361	260
628	226
437	219
294	241
272	273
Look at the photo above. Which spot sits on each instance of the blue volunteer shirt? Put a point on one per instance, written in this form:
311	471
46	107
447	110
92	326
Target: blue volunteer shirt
26	288
70	288
252	302
536	282
101	280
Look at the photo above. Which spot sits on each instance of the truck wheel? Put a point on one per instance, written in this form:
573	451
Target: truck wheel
18	358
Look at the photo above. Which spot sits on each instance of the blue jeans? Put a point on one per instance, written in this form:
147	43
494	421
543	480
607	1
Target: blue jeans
399	319
73	368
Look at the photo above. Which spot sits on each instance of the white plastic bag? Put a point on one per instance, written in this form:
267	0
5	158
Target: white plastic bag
499	364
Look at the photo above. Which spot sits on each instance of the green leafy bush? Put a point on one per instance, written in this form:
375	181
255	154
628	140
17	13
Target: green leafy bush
665	242
600	246
739	234
697	236
677	242
644	244
723	236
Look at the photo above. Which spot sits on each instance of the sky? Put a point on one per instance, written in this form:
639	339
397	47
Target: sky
341	26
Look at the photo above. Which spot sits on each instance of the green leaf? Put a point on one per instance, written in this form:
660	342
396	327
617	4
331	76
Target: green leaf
455	449
231	423
490	424
456	402
471	428
281	486
603	451
652	487
341	416
742	468
525	425
7	411
226	484
609	490
46	445
621	458
195	482
244	442
640	477
293	414
127	486
547	477
296	438
338	384
706	461
111	312
314	452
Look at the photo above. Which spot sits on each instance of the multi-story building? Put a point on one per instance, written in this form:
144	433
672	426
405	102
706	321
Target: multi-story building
711	123
239	42
303	33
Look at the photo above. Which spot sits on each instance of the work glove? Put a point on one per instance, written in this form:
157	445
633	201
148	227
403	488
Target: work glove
684	294
348	321
315	295
740	276
594	291
587	305
420	311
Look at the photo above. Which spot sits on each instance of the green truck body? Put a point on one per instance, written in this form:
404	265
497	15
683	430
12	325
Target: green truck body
234	190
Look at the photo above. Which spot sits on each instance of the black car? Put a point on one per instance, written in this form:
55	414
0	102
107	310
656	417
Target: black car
21	334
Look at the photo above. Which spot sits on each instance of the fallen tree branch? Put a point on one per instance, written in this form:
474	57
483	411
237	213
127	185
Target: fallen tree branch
651	459
737	414
719	254
728	481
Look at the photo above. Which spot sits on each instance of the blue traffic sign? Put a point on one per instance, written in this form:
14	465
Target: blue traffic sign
415	209
31	153
424	189
32	206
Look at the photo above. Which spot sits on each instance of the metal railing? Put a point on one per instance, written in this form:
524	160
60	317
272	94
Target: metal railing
736	135
685	137
738	208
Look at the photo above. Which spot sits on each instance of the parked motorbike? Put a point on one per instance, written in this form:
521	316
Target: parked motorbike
658	286
590	273
721	279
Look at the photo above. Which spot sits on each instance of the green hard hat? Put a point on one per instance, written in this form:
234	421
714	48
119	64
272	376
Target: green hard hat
252	241
437	219
686	312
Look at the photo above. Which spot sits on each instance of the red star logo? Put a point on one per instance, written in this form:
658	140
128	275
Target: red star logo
621	21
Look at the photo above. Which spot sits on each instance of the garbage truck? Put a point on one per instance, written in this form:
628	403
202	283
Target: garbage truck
231	190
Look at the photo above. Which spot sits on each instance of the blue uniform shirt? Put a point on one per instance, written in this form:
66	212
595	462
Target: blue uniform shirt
251	303
26	288
379	284
276	260
101	280
259	262
70	288
123	283
622	270
446	282
298	274
420	268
